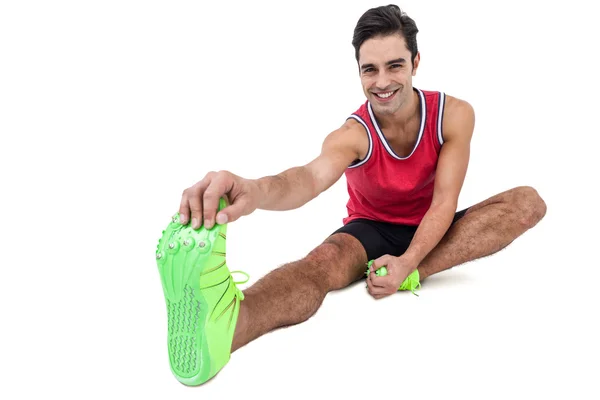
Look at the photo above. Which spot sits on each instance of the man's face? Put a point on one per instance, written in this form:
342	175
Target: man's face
386	72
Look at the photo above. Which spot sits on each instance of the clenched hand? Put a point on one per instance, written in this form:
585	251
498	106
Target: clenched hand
398	269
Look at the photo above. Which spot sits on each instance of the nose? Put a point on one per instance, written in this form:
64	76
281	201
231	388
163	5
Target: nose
383	80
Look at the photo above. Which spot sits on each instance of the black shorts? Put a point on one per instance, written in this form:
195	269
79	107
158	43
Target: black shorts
380	238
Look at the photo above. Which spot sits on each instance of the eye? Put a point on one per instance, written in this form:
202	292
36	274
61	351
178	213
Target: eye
367	70
396	65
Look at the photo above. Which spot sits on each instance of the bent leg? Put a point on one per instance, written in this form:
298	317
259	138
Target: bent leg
293	293
485	229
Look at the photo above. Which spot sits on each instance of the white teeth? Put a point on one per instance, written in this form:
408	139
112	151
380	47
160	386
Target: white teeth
384	95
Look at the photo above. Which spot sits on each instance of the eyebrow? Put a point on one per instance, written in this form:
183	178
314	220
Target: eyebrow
396	61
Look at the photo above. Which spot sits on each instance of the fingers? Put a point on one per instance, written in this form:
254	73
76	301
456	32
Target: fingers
191	203
380	281
374	289
184	207
377	291
381	261
220	184
379	286
195	205
200	203
377	281
191	207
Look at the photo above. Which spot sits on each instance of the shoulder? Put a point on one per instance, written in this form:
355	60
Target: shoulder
460	106
351	137
459	119
353	127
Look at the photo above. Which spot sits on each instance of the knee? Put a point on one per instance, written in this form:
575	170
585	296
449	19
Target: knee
309	297
530	206
325	269
299	284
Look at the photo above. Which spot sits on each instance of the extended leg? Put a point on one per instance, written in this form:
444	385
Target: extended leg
294	292
485	229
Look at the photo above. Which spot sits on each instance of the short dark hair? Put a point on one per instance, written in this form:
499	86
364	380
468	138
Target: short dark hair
384	21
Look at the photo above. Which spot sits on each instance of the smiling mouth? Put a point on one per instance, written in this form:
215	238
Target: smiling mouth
385	95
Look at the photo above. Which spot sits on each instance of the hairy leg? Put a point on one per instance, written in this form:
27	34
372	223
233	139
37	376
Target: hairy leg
485	229
293	293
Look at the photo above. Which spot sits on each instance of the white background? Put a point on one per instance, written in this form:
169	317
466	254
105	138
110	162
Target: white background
109	109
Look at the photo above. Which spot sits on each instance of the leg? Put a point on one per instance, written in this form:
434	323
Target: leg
486	228
293	293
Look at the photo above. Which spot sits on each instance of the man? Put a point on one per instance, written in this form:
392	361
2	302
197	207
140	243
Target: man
404	153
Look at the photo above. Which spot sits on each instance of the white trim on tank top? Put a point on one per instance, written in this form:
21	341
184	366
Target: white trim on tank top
359	119
421	129
442	103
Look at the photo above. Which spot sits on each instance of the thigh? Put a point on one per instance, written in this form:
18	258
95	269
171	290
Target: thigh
459	214
380	238
376	238
402	235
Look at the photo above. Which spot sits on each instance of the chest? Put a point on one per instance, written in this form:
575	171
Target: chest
402	146
403	142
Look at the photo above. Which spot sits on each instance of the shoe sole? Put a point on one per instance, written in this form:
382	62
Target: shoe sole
183	257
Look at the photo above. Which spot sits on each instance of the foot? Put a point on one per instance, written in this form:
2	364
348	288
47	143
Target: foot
411	282
203	301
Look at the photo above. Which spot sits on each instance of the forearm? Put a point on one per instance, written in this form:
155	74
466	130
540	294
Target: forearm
432	229
288	190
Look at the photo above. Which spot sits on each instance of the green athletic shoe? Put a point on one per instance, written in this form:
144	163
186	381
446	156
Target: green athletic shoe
203	301
410	283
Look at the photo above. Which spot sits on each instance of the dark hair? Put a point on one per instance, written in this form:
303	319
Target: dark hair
384	21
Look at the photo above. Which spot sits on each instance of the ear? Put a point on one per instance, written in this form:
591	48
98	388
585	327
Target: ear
416	63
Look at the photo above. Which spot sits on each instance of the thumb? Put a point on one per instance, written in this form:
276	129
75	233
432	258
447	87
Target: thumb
381	261
231	213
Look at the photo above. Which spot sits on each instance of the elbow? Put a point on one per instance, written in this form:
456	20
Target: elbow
307	186
314	188
311	184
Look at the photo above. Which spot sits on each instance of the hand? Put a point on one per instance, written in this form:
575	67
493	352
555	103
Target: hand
202	199
398	269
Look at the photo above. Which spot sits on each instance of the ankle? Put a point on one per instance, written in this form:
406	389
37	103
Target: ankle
422	274
240	327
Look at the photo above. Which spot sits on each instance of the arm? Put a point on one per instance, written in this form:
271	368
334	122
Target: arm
459	121
458	126
285	191
298	185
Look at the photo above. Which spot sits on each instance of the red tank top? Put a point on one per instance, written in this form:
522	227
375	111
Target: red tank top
389	188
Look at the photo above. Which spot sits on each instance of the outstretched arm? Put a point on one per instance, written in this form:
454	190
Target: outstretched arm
285	191
297	186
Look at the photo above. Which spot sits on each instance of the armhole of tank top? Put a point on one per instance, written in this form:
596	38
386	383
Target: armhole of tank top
358	163
440	119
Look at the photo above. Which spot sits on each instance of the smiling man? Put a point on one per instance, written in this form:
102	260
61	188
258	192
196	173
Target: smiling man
404	153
